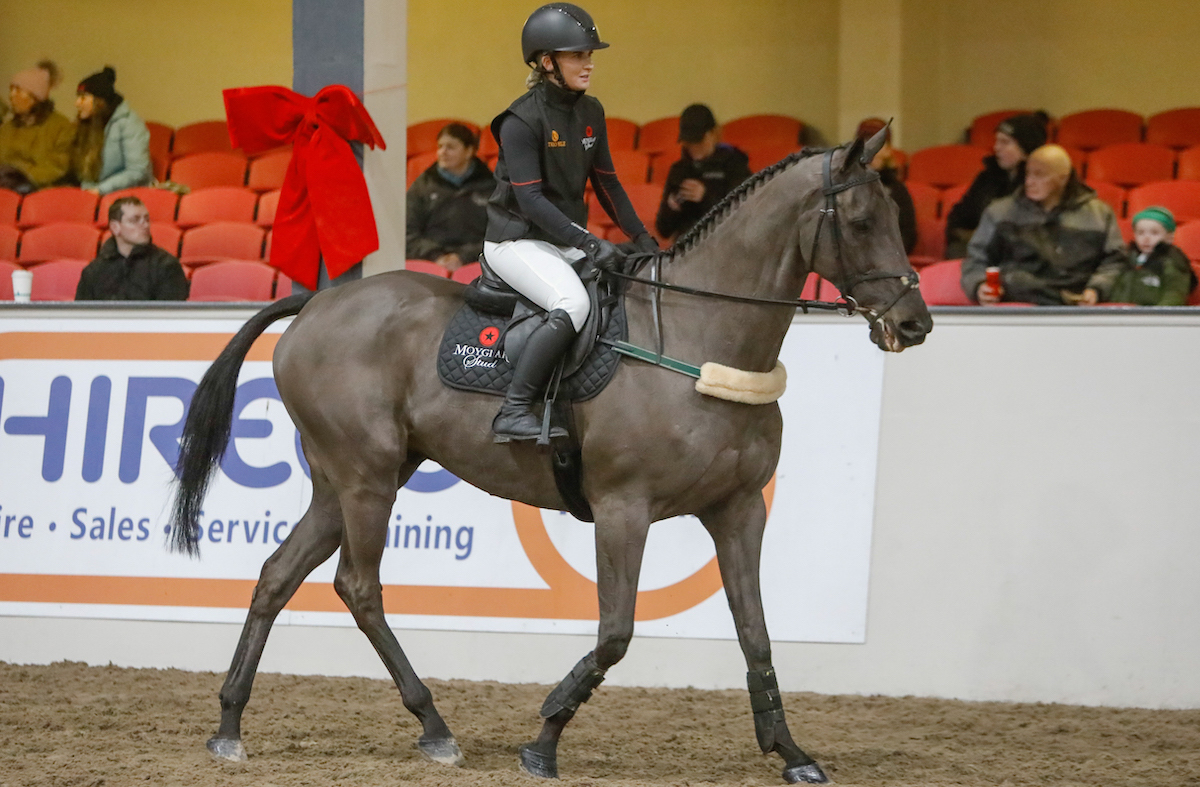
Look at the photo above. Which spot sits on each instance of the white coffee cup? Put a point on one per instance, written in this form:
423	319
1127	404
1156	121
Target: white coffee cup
22	286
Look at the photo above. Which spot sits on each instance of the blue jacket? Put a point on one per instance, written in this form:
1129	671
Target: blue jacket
126	159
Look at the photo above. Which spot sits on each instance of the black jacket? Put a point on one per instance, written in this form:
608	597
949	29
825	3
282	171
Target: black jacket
552	141
720	173
443	218
148	274
990	185
903	200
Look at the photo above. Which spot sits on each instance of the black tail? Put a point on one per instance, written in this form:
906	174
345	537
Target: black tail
209	420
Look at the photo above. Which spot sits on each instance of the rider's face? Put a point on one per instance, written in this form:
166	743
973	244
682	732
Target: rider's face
576	68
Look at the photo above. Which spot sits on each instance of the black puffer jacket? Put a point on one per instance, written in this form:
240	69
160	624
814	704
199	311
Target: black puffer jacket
443	218
147	274
720	173
990	185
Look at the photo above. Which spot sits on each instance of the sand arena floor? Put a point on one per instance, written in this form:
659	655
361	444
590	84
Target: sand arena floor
69	724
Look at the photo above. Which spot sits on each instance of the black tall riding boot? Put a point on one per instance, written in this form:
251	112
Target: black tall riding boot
543	349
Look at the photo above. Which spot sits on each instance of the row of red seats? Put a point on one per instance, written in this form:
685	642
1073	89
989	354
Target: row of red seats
219	240
202	206
229	280
1097	128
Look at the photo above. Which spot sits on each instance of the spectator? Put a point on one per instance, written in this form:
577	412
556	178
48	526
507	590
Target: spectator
885	164
111	149
130	267
35	143
447	203
1003	172
708	170
1154	271
1054	240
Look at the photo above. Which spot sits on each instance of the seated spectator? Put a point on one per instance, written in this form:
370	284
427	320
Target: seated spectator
111	149
1053	239
35	143
1154	271
885	164
130	267
447	203
1002	173
708	170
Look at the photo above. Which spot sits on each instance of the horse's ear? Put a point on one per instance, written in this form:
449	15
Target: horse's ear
874	145
853	153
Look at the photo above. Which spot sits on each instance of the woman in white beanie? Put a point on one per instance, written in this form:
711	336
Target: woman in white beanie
35	143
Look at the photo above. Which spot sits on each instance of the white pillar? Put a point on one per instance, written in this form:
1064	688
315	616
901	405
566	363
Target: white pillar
385	89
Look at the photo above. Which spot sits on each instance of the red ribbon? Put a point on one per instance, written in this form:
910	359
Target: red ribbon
324	208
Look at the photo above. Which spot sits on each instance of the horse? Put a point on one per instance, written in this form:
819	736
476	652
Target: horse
355	370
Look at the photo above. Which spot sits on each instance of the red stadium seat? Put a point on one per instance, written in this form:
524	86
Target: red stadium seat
222	240
283	286
1097	128
1175	128
56	280
1181	197
9	237
1112	194
216	203
161	204
6	272
645	198
1131	164
931	238
208	136
941	284
659	136
418	164
982	133
812	283
1187	238
764	155
1189	164
267	204
422	137
950	197
165	236
61	204
633	166
467	273
58	242
762	130
622	133
425	266
201	170
160	148
488	146
946	165
926	199
232	280
10	202
268	170
596	214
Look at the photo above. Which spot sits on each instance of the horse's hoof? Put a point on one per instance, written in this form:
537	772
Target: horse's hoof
805	774
226	749
533	762
443	751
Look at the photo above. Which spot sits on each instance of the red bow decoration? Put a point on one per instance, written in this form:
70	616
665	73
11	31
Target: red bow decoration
324	208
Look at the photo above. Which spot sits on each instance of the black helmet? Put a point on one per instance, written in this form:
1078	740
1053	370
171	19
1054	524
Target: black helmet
559	27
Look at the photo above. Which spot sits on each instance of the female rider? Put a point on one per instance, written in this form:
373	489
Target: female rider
552	140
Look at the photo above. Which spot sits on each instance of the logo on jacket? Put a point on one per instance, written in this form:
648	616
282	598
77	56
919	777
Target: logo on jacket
555	142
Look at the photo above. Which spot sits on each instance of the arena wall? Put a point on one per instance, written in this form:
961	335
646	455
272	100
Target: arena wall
1034	539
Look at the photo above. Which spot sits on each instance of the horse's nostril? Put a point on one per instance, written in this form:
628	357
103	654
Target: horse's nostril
912	328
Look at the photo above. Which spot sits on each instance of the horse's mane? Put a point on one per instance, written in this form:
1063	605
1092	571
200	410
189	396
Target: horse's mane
733	199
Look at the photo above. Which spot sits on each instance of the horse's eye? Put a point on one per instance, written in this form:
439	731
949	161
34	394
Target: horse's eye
861	226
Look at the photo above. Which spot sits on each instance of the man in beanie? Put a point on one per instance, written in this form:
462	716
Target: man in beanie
111	147
1154	272
1055	242
35	143
1003	172
708	170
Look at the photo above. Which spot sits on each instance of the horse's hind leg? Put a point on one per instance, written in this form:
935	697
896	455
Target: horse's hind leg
366	514
620	544
737	529
310	543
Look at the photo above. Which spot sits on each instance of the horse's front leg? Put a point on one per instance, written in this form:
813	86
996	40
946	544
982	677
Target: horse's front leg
737	528
620	542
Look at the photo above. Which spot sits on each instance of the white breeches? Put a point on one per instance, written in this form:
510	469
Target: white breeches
541	272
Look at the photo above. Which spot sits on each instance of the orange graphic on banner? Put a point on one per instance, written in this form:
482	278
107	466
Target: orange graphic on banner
569	595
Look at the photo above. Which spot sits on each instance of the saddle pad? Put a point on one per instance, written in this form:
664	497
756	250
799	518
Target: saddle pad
469	360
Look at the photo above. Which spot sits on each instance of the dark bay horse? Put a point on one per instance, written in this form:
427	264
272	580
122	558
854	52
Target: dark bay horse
356	372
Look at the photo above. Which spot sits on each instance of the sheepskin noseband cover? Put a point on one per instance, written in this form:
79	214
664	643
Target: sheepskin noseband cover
735	385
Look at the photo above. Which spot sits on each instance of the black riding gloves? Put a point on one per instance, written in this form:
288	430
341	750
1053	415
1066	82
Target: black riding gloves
645	244
602	254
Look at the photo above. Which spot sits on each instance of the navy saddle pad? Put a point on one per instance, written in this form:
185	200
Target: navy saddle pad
470	357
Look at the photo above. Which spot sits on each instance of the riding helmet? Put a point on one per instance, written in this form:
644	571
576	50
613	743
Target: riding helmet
559	27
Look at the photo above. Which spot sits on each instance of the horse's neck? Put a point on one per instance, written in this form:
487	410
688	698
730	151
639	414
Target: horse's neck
751	252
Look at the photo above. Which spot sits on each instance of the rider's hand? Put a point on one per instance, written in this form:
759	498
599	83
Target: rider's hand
604	255
645	243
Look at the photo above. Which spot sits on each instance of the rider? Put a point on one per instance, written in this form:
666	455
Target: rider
552	140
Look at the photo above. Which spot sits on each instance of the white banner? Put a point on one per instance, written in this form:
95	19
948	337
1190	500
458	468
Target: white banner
91	409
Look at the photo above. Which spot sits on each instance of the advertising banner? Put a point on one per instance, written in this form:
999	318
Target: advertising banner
92	408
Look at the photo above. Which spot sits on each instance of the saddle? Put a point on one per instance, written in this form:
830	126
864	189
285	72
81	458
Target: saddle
485	337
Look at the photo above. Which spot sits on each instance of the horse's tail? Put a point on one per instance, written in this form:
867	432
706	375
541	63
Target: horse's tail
209	421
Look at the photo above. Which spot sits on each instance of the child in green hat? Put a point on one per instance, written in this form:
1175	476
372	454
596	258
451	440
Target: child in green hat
1157	273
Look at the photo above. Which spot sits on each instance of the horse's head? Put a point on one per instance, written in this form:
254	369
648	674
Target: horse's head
854	242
